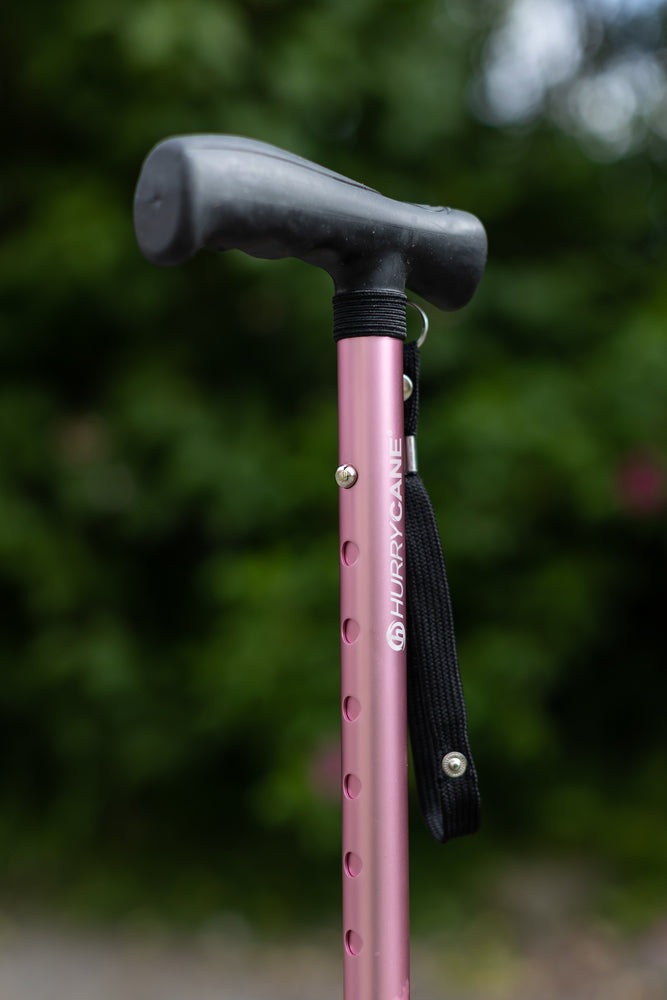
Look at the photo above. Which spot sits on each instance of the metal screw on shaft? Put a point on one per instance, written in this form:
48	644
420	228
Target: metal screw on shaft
346	476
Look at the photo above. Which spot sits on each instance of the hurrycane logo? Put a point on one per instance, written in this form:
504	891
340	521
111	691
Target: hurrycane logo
396	631
396	636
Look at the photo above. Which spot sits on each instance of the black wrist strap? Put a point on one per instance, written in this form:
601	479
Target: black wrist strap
444	769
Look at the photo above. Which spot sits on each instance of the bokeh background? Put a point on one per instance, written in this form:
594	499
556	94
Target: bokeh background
168	526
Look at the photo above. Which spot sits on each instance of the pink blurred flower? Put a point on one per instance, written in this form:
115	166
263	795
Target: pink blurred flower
642	485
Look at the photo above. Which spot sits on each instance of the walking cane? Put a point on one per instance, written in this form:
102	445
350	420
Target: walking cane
398	657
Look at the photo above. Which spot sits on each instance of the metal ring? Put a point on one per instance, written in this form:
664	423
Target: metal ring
422	335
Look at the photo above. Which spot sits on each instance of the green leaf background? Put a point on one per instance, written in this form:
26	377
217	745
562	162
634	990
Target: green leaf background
168	549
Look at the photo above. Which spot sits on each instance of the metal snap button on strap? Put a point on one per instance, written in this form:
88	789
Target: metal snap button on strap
454	764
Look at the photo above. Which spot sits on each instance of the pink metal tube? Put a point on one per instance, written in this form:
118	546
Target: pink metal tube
373	665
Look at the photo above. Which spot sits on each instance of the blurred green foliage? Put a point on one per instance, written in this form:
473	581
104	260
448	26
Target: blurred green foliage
168	567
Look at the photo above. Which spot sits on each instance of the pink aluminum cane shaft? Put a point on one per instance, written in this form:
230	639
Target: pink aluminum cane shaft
373	665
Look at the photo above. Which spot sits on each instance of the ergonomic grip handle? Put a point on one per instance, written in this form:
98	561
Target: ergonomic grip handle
225	192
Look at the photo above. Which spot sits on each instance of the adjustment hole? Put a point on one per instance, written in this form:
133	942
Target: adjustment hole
351	630
353	943
351	786
353	864
351	709
350	553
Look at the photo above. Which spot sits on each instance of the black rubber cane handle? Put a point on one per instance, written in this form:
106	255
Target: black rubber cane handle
223	192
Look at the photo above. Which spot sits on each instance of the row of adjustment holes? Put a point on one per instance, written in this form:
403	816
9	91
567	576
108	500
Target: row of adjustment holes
349	554
351	711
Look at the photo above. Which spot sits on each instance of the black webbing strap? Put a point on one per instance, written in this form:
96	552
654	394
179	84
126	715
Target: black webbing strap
444	768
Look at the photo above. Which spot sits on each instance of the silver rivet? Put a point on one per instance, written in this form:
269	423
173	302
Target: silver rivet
454	764
346	476
408	387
